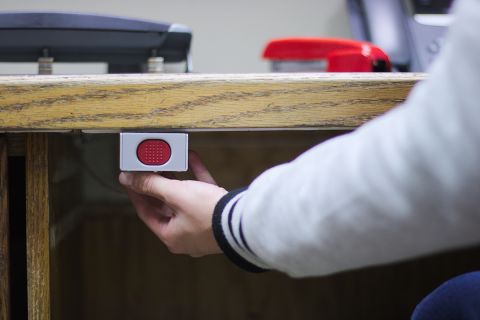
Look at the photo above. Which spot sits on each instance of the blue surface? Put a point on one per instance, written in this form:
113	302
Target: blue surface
456	299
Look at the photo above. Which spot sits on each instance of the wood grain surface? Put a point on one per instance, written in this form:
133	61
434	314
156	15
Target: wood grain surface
38	216
111	266
4	234
197	101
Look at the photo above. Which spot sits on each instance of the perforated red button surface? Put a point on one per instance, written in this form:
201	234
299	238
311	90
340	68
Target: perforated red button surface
154	152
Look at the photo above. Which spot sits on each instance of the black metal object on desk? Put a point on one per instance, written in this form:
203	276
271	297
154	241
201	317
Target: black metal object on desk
68	37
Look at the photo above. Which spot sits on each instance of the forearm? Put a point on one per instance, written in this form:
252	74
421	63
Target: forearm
405	184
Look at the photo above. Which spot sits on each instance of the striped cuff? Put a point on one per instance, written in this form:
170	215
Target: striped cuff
227	228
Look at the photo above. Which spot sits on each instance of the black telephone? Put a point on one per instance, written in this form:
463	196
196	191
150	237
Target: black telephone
410	31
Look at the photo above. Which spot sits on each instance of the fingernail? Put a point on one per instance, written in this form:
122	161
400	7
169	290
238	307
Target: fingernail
125	178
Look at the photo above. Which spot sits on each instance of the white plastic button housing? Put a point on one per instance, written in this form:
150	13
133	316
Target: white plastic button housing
131	156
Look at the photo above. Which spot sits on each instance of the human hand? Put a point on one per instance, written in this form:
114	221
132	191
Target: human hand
178	212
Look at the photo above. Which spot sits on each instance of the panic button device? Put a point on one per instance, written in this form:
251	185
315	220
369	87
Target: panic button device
153	151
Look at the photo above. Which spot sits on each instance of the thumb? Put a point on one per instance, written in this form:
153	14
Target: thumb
199	169
148	183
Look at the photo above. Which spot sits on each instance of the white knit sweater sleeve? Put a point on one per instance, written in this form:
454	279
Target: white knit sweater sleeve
403	185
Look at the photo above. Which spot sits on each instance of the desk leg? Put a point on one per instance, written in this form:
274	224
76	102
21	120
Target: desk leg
37	228
4	233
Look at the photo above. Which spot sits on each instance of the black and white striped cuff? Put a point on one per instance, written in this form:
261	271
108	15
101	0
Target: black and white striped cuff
227	228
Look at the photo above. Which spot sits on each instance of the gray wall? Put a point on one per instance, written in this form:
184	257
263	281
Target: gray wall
228	35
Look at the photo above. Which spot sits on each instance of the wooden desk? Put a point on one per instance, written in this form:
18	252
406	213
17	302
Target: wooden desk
43	107
214	102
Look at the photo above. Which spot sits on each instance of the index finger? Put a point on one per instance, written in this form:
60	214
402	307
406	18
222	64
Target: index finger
149	183
148	214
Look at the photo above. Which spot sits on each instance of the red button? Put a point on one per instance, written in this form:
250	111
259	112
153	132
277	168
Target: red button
154	152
